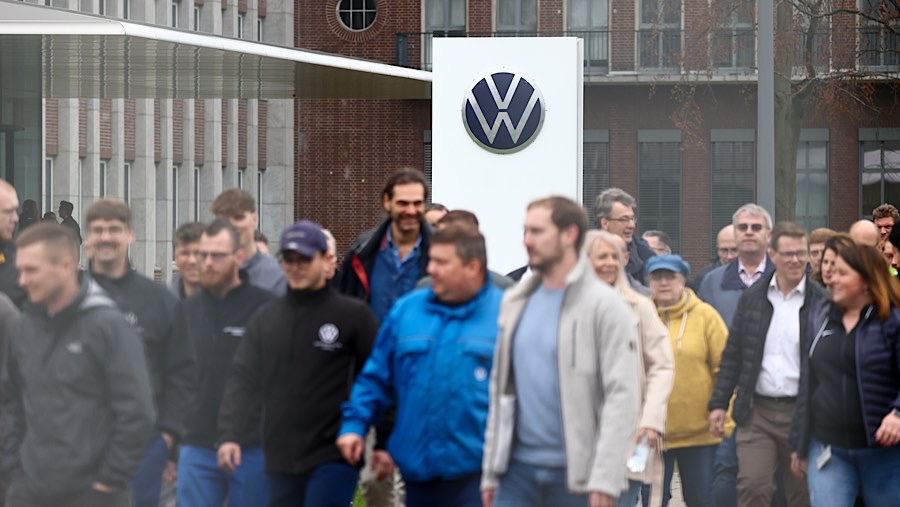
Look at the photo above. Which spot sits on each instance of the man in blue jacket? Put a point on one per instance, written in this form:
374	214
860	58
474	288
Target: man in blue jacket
432	358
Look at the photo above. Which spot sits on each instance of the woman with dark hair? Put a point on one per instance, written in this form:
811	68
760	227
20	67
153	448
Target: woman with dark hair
832	246
847	417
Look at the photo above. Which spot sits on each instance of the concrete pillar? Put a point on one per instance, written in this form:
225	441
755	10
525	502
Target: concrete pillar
279	23
229	176
250	172
185	195
115	182
278	182
211	173
90	167
165	200
65	169
143	189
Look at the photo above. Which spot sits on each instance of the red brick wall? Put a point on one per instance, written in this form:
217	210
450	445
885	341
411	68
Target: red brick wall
105	128
129	128
550	17
51	127
82	128
262	133
481	16
621	36
261	8
345	150
199	132
178	131
242	133
224	132
157	125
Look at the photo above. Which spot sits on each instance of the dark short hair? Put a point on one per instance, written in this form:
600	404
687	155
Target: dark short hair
894	237
66	207
821	235
786	230
233	202
564	213
258	236
661	236
188	233
404	177
29	205
468	241
108	208
886	210
59	241
459	216
435	206
222	224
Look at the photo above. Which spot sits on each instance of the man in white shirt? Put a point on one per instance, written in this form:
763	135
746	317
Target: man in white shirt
762	360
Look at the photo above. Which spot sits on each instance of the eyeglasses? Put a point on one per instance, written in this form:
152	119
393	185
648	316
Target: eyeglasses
744	227
624	220
215	256
799	254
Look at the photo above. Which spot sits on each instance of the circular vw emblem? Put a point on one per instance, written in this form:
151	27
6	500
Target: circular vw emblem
328	333
503	112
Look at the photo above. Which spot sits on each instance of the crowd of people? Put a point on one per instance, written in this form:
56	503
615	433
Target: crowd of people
414	374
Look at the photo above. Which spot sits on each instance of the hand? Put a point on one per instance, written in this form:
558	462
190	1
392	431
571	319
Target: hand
652	436
598	499
351	447
798	466
229	456
170	473
170	440
103	488
382	464
487	497
717	423
888	434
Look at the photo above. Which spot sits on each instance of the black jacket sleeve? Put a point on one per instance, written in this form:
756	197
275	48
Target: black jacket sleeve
12	415
244	384
730	365
130	398
177	383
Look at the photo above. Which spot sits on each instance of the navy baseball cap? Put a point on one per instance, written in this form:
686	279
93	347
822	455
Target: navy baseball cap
671	262
304	237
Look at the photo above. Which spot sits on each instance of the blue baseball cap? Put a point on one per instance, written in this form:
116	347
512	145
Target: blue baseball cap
304	237
671	262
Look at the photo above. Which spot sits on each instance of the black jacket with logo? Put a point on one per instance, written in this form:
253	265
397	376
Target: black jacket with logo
78	406
300	355
149	307
216	327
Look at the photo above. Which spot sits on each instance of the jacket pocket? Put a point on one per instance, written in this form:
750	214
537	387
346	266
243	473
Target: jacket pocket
412	353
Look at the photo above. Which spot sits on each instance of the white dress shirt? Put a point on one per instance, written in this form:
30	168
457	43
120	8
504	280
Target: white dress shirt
779	375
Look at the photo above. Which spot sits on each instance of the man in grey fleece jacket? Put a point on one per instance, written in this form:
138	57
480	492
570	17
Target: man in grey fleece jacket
564	389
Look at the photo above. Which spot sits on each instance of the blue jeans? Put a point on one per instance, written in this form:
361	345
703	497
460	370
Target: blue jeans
695	466
328	485
147	481
201	483
525	485
725	469
461	492
872	470
629	497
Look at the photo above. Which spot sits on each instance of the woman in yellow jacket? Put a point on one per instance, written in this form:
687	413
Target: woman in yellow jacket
698	336
608	255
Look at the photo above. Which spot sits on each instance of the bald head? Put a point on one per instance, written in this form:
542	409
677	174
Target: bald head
865	232
726	244
9	216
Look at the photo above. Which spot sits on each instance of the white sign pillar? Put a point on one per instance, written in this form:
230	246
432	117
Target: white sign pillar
506	130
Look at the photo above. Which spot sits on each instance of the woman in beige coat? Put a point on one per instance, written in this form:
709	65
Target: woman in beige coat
608	255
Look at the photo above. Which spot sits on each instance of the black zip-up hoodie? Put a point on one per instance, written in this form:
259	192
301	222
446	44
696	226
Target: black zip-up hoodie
300	355
79	407
150	307
216	327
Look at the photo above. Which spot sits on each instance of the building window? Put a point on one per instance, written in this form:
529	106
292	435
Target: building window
126	183
240	179
259	198
595	167
103	165
240	26
101	7
173	8
175	170
196	194
196	19
517	16
880	159
426	163
732	176
879	37
812	179
259	29
126	9
659	183
357	14
48	184
733	45
659	37
443	18
589	19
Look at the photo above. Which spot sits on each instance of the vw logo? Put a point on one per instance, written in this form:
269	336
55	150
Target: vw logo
503	112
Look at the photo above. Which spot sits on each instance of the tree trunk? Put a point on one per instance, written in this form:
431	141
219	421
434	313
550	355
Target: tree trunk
789	114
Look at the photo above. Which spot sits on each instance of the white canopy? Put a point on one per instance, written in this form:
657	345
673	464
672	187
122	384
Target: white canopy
87	56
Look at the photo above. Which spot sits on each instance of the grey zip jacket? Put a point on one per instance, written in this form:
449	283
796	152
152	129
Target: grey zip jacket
599	383
78	406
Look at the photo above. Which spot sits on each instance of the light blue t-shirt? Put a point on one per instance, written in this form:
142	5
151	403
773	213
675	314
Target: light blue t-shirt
539	433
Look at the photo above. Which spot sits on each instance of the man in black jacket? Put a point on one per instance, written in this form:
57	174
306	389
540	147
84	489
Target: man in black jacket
762	361
149	307
300	355
78	412
215	320
9	202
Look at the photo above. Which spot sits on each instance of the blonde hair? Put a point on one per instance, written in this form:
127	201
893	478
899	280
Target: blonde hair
621	284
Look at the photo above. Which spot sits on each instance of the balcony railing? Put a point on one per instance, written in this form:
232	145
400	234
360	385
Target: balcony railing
879	48
733	49
659	49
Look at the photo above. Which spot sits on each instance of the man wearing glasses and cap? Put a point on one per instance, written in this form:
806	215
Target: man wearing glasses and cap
300	355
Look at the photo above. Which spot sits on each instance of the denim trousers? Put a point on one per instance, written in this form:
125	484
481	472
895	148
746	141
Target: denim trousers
525	485
695	467
201	483
147	482
328	485
459	492
872	471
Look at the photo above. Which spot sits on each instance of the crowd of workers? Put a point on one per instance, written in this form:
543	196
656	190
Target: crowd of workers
415	374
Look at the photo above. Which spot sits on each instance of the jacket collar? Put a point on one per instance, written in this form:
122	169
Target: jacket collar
458	311
524	289
731	278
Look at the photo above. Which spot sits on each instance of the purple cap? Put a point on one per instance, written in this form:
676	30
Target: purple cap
304	237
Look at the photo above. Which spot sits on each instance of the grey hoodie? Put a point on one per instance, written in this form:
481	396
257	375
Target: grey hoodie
78	408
